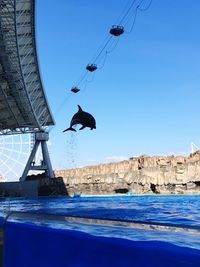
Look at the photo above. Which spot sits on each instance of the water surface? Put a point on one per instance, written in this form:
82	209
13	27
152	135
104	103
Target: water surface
174	219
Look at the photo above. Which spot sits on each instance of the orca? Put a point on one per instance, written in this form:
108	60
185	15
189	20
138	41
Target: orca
83	118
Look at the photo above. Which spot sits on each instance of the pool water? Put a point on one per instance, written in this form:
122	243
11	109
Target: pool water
174	219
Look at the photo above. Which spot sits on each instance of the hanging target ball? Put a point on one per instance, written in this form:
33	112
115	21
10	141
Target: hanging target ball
117	30
91	67
75	90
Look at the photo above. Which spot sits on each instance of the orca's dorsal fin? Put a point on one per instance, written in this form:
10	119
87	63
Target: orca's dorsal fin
79	109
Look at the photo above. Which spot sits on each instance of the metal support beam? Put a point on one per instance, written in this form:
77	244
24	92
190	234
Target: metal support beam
21	83
46	159
40	139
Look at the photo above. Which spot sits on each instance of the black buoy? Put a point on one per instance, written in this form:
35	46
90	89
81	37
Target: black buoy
117	30
91	67
75	90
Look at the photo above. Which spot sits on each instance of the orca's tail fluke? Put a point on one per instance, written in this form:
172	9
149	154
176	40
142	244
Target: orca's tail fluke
69	129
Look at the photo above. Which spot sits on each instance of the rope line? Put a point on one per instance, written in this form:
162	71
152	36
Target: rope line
124	18
109	39
124	10
127	12
134	21
147	7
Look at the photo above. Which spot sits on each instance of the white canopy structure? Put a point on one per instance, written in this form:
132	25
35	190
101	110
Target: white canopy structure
23	103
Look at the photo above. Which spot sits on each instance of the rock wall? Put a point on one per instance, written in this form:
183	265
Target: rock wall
157	174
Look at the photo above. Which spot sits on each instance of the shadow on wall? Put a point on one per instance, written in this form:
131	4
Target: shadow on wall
52	187
36	185
49	186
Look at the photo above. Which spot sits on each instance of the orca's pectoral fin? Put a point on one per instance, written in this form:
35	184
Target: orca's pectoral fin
83	127
69	129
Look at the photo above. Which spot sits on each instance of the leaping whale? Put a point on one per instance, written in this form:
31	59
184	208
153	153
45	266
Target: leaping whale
83	118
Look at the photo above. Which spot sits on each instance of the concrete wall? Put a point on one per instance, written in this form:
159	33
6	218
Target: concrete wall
15	189
37	187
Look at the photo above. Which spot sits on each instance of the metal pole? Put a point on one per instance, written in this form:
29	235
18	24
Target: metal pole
47	159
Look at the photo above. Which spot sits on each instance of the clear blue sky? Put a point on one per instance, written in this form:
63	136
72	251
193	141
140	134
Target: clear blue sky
145	99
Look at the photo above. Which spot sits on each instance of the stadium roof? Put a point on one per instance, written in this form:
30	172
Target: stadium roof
23	104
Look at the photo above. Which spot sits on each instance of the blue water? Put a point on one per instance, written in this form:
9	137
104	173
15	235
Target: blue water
174	219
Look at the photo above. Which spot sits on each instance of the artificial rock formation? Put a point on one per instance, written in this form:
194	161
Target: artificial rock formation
139	175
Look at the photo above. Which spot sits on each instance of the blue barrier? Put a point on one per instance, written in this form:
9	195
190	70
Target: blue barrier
40	246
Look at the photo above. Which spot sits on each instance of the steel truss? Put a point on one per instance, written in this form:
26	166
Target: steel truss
23	103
